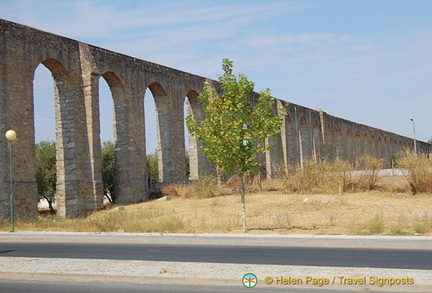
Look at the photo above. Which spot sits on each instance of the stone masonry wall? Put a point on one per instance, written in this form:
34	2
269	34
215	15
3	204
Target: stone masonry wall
77	69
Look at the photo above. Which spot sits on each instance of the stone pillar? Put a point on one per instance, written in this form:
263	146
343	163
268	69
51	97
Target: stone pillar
90	78
178	168
170	124
130	152
199	165
16	112
4	158
163	120
275	156
74	171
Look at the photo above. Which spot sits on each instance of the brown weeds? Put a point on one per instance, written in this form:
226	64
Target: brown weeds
417	169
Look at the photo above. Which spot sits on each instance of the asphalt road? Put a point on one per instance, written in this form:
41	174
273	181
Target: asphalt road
300	256
27	286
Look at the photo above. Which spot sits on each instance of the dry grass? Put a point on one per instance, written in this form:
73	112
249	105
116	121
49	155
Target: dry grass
333	177
418	171
363	213
318	201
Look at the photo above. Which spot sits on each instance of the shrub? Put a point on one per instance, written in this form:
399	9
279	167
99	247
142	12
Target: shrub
323	177
377	224
152	167
417	169
368	177
333	177
206	187
422	224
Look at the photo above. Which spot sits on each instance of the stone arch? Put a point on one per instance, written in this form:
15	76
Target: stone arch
275	158
329	143
120	135
116	88
304	139
339	141
60	73
386	148
358	145
70	201
373	146
60	76
290	140
198	163
380	147
317	143
162	118
350	145
366	144
400	146
166	136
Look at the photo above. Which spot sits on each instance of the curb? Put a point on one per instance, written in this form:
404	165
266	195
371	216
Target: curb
115	278
194	281
325	241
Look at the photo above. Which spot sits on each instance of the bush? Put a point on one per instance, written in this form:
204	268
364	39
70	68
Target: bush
377	224
152	167
333	177
206	187
417	169
324	177
368	177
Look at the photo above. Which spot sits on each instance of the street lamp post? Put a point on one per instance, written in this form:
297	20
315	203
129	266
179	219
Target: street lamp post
11	136
415	141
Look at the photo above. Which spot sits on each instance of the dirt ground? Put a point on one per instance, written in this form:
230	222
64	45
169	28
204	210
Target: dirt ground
390	210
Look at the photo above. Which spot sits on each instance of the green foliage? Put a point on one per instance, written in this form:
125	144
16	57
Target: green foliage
234	130
108	170
152	167
395	161
46	175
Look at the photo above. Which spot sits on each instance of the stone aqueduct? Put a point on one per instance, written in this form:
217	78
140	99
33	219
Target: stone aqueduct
77	68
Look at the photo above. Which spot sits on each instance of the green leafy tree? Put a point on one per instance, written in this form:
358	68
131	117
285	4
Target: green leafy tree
108	170
234	129
46	175
430	140
153	167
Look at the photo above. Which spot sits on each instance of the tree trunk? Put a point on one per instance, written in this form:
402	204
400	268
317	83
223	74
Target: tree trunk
52	210
49	201
108	197
242	194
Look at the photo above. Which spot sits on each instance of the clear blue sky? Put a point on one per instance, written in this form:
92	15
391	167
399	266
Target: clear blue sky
369	61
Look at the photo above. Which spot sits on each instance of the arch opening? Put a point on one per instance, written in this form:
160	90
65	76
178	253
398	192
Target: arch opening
45	138
151	137
108	88
196	163
51	140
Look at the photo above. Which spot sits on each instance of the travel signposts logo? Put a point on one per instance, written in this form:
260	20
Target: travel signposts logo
249	280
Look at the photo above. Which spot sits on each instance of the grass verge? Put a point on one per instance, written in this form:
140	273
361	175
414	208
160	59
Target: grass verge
365	213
